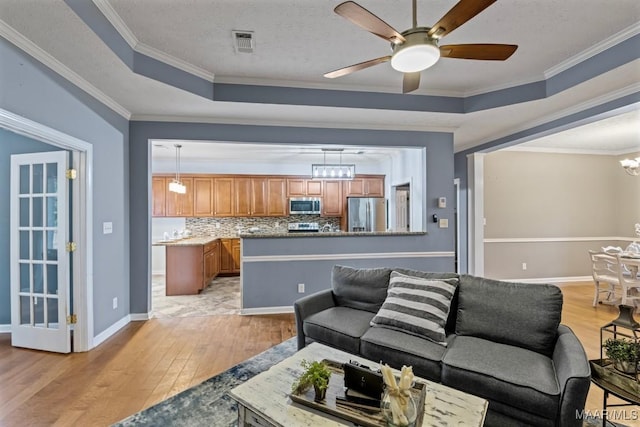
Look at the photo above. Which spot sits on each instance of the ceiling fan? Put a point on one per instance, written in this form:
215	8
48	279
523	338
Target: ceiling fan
417	48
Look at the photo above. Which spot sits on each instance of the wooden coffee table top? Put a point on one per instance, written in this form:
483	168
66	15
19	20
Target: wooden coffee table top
267	394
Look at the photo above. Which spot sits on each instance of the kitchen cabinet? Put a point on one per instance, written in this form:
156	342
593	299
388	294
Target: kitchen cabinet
202	196
177	204
277	197
190	268
223	196
250	196
158	193
365	187
230	256
301	187
332	202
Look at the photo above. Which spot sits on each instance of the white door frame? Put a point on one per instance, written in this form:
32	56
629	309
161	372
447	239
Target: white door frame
456	185
82	211
475	213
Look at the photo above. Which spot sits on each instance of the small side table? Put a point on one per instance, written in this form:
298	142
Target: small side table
616	391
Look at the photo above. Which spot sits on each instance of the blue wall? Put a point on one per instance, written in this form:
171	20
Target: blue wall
32	91
10	143
439	177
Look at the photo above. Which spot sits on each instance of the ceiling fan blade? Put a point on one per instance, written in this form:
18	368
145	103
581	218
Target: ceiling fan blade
410	82
367	20
356	67
458	15
486	52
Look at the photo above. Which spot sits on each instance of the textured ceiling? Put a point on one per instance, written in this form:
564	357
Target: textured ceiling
296	42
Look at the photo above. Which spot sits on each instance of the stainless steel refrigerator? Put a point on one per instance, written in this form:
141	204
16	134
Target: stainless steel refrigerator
367	213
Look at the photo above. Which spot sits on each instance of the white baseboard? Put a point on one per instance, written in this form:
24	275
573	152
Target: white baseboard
139	317
267	310
5	329
554	280
107	333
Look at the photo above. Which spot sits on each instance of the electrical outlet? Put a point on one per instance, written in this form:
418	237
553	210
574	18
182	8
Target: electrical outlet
107	227
524	265
115	303
301	288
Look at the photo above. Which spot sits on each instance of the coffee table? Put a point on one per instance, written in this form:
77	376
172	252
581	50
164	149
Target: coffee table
264	399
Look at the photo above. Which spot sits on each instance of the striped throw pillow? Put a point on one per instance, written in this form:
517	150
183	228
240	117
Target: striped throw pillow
417	306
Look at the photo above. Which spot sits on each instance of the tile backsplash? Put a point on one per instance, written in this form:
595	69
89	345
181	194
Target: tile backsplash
232	225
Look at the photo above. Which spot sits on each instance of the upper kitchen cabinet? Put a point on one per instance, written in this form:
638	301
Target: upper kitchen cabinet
332	198
202	196
159	198
365	186
250	196
223	196
302	187
177	204
277	197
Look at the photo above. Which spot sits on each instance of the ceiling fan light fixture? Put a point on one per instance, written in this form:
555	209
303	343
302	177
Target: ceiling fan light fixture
418	53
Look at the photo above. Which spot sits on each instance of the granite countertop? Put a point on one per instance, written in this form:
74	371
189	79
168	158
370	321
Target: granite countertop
192	241
266	235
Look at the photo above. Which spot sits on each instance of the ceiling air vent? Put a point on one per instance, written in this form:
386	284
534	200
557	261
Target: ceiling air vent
243	41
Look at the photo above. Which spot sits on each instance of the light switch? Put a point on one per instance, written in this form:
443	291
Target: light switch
107	227
442	202
444	223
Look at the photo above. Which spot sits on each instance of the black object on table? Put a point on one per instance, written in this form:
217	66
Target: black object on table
618	392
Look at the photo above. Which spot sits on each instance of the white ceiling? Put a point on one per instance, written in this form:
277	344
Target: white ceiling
296	42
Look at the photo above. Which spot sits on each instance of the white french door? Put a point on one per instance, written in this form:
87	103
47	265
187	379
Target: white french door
40	263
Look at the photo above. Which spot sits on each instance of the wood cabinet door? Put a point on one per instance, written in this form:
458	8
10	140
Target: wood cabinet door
158	196
276	197
209	267
242	196
202	197
179	205
226	260
314	188
296	187
235	255
223	199
332	198
259	196
374	187
355	187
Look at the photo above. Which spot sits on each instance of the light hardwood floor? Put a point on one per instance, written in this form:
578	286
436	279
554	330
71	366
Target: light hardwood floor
147	362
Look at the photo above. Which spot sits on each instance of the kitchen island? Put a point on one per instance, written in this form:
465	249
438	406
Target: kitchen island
191	263
279	268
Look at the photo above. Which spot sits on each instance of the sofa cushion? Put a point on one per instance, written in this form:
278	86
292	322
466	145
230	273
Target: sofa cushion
360	288
515	376
417	306
339	327
520	314
398	348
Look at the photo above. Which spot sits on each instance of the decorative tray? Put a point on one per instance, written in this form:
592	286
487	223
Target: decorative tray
362	417
602	369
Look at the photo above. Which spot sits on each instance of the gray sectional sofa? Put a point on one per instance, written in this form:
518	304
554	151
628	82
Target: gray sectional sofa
504	341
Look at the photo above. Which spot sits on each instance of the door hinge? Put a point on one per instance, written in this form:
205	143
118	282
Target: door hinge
71	173
72	319
71	246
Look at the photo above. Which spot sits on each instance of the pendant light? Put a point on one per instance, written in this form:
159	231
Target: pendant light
332	170
176	185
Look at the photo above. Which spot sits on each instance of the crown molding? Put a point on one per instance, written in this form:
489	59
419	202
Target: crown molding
121	27
551	150
301	124
633	88
607	43
23	43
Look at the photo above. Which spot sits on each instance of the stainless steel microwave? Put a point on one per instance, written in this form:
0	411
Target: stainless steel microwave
304	205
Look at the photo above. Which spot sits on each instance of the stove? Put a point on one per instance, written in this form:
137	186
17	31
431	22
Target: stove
304	227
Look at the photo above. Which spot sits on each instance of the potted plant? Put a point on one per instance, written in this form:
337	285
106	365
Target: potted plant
625	354
315	374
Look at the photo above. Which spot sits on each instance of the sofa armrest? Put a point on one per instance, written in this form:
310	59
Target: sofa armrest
574	377
311	304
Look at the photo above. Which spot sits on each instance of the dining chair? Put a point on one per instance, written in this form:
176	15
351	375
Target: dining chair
605	269
628	278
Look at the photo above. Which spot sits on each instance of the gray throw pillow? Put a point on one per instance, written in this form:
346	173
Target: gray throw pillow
417	306
522	314
360	288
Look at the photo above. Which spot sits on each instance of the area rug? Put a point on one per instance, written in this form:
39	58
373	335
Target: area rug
207	403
